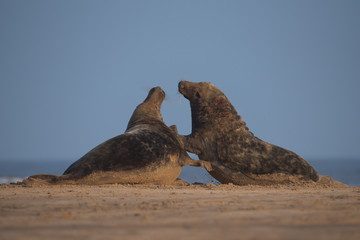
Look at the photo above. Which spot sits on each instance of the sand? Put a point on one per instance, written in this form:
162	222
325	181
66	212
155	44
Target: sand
326	210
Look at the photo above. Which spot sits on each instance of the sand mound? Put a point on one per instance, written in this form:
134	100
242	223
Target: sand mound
270	181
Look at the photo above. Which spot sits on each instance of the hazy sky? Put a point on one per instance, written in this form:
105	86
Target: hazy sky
72	72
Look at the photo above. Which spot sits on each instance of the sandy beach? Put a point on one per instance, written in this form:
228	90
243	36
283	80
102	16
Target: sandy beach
328	210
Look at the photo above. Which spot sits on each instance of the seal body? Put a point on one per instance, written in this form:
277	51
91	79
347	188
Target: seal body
148	152
221	137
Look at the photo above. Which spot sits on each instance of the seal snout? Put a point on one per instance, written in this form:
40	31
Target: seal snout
157	89
160	91
156	94
182	86
160	94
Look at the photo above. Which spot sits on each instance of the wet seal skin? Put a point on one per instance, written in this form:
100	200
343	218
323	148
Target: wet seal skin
221	137
149	152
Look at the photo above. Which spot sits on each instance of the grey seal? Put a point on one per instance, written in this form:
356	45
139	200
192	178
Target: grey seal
220	136
149	152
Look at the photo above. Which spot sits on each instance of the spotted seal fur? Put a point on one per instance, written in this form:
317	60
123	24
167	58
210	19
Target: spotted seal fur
221	137
149	152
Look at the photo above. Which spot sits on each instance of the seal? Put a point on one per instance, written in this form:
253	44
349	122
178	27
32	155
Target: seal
220	136
149	152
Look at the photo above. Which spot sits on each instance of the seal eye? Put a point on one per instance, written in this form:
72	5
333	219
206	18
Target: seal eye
198	94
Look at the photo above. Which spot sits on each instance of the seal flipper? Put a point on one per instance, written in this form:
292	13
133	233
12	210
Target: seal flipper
188	161
219	172
174	129
191	144
226	175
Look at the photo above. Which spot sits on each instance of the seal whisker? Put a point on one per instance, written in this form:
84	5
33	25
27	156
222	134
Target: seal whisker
179	97
168	99
145	88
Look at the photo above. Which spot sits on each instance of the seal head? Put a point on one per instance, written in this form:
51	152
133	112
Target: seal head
208	104
149	109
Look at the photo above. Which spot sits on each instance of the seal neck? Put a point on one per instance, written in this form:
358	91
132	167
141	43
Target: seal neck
145	113
208	117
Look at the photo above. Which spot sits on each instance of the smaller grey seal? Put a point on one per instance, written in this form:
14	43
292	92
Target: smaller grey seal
149	152
222	138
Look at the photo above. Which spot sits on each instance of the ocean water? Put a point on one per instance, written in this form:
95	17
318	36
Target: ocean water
344	170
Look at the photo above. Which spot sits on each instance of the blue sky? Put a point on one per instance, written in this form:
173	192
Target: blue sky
72	72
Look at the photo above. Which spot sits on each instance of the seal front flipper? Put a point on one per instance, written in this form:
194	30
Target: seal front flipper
191	144
226	175
174	129
197	163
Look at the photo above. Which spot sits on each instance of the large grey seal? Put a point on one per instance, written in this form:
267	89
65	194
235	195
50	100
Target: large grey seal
148	152
221	137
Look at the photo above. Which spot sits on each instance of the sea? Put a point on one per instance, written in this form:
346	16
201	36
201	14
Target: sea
344	170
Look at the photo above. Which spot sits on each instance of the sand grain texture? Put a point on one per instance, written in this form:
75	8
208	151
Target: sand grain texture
327	210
